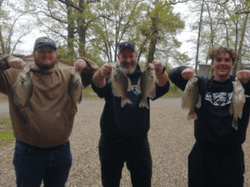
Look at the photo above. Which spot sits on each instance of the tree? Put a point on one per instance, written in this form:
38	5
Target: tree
223	26
12	29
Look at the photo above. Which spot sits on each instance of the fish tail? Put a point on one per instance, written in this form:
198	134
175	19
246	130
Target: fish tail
144	103
235	124
192	115
125	101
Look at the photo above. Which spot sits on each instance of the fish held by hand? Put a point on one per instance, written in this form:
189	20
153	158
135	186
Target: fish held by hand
120	84
191	98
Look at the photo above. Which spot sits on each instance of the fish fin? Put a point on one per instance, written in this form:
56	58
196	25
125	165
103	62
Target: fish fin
73	110
17	101
231	110
109	81
130	87
240	115
183	106
125	101
247	96
32	96
80	99
139	86
192	115
144	103
115	93
198	105
153	93
235	124
156	80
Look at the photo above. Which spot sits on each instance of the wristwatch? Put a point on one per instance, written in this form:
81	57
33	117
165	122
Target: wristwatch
163	69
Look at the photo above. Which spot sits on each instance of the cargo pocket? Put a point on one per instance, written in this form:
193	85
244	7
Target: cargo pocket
47	128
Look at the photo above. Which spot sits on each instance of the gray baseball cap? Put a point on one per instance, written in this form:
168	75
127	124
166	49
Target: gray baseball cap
44	41
128	44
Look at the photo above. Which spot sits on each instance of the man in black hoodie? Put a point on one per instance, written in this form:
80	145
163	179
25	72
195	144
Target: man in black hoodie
217	158
124	130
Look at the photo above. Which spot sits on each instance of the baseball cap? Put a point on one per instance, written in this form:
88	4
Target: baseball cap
44	41
128	44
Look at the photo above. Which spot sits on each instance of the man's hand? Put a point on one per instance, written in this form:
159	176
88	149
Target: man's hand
158	67
105	71
17	63
162	77
80	64
243	76
188	73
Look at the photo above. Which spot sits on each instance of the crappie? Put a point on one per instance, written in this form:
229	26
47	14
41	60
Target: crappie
191	97
120	84
238	101
23	88
75	89
146	85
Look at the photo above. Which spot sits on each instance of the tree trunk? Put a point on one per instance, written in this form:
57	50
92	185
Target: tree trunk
2	42
198	40
153	42
71	36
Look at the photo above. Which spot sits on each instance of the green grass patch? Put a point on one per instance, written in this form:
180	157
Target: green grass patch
5	124
6	133
6	138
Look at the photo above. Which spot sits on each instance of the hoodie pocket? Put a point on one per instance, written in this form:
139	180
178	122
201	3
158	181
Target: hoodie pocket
47	128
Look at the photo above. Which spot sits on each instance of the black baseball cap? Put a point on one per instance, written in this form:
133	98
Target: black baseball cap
44	41
128	44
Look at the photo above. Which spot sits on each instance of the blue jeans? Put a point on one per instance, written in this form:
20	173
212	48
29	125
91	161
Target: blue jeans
34	165
113	155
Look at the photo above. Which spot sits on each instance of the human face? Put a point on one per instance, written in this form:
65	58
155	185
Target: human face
45	57
127	58
222	65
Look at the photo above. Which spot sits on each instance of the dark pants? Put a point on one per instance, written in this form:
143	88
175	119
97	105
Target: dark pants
210	166
113	155
34	165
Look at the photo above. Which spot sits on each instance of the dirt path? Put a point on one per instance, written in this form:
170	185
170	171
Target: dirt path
170	136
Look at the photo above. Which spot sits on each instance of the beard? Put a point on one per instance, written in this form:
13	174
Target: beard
41	66
129	71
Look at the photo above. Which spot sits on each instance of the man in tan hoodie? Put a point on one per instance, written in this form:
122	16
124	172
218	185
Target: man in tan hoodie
42	126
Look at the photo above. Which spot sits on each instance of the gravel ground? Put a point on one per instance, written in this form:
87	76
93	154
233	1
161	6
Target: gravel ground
171	139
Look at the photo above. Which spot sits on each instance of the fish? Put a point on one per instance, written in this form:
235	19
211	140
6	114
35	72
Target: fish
75	89
146	85
23	89
191	98
120	84
238	101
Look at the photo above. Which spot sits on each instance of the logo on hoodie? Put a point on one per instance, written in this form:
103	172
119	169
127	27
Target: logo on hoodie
219	98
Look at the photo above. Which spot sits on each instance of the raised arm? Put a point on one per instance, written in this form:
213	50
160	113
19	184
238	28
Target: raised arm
87	69
99	78
180	75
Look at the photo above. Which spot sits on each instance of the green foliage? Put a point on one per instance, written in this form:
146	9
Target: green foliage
5	122
6	133
6	138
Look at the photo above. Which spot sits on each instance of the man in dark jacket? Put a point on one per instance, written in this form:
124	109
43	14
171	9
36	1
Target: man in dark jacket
124	130
217	158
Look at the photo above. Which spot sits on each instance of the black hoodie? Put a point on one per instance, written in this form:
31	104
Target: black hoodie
129	122
214	123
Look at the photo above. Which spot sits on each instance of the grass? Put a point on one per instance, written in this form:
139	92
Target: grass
6	132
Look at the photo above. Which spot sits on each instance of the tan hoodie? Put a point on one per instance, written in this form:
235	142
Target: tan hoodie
49	120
